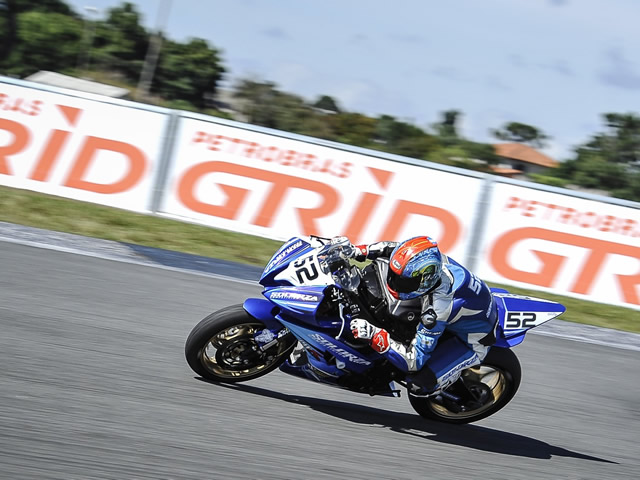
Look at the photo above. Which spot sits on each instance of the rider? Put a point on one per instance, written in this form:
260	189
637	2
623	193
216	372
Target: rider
447	296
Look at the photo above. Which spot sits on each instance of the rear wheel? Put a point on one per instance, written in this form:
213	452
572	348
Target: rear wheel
481	391
222	347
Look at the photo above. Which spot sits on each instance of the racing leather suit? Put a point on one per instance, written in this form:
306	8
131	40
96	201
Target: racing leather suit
460	303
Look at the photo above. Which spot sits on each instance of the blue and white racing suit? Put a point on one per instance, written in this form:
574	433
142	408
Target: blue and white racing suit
461	304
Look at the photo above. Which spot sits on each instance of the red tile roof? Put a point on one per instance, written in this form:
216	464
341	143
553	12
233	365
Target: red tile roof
505	170
524	153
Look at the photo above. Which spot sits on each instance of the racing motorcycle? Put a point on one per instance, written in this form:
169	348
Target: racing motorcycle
312	290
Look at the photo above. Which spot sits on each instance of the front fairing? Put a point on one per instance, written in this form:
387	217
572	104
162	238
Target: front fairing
292	249
301	302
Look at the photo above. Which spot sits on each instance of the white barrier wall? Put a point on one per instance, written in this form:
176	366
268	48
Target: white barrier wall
562	244
78	148
279	187
258	181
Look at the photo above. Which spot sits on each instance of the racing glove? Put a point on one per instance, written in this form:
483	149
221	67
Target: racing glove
378	337
374	250
429	318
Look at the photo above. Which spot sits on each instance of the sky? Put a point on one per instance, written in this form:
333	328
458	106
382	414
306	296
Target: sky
555	64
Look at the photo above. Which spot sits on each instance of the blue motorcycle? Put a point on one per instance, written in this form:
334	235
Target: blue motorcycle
312	290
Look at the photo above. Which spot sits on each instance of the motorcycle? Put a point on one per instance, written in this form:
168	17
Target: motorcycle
312	290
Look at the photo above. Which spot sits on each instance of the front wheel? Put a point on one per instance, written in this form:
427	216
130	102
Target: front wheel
222	347
481	391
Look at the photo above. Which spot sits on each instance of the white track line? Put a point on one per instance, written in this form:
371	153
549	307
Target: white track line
577	332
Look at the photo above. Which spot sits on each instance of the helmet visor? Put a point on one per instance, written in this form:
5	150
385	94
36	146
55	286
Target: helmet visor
402	284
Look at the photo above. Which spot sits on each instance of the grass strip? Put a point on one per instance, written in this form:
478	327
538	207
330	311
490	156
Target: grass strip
34	209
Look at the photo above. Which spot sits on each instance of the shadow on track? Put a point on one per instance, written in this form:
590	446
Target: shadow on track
470	436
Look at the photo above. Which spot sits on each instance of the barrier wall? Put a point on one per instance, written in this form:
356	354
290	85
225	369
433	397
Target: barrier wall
562	243
277	187
258	181
79	148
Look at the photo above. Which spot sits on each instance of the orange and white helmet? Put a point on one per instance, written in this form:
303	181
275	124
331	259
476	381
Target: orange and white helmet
415	266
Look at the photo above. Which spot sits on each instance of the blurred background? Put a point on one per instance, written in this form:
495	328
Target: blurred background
542	90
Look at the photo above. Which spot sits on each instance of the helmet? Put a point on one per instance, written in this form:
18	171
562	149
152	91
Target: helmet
415	266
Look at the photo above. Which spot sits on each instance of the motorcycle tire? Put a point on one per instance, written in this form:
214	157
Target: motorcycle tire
488	387
221	348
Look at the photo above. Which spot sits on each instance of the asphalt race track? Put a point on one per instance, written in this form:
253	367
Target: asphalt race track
94	385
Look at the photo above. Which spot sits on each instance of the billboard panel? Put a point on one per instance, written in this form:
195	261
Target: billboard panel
278	187
78	148
564	244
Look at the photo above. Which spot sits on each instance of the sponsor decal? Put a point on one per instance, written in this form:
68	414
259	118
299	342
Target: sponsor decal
519	320
466	364
284	253
427	341
336	350
271	202
551	266
566	244
78	148
301	297
283	332
581	216
245	148
380	341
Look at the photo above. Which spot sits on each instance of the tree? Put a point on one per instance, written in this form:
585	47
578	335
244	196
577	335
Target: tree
403	138
609	161
188	71
45	41
391	131
325	102
7	27
632	190
46	6
419	147
521	133
447	128
353	128
121	41
480	151
257	101
593	171
621	143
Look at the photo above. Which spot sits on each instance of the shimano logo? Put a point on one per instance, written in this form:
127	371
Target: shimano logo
339	351
284	253
301	297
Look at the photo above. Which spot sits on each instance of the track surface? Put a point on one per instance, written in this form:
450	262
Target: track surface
94	384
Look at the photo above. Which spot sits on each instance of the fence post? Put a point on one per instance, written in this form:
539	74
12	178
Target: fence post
166	155
478	226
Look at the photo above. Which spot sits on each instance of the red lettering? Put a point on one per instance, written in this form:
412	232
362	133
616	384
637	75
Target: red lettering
404	209
92	145
21	137
280	185
551	263
49	154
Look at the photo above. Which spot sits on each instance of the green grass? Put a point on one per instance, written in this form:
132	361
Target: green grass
64	215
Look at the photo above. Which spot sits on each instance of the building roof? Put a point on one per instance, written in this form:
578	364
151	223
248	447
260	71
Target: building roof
55	79
507	171
524	153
